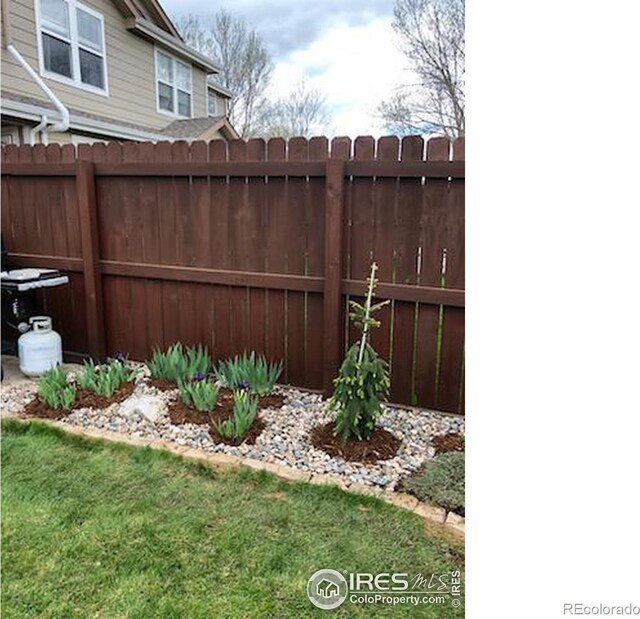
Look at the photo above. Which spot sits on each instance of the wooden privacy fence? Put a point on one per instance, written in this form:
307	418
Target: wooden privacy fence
251	246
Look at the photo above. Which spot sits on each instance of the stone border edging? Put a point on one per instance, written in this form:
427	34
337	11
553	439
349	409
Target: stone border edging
218	460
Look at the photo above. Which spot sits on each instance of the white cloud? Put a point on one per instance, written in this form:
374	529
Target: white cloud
355	66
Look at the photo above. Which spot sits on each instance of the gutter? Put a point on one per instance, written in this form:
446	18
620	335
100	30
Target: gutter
29	111
43	126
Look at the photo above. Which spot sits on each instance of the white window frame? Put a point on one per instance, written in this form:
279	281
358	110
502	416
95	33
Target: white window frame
10	131
219	101
76	82
174	85
206	102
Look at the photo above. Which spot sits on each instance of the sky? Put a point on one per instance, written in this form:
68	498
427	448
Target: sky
344	48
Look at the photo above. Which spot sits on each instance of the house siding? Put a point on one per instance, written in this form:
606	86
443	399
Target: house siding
130	71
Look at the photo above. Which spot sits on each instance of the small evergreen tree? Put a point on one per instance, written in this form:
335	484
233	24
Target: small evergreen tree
363	380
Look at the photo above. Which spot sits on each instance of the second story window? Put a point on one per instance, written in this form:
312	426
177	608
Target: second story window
72	44
175	87
216	106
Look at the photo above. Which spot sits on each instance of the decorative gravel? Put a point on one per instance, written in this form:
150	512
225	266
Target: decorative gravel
284	440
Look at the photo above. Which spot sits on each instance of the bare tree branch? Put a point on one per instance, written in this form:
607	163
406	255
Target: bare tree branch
301	113
239	50
432	37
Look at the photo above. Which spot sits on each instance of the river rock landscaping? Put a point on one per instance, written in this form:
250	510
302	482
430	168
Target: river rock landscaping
285	439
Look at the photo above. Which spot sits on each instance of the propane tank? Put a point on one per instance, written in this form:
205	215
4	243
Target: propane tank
39	349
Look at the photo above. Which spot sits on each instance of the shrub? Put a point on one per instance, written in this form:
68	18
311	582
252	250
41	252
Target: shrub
105	379
199	393
363	380
245	409
176	364
54	391
441	482
249	371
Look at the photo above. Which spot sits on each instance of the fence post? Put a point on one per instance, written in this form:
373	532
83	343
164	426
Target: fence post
88	215
334	207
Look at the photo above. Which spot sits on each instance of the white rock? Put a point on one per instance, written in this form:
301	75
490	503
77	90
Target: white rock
150	408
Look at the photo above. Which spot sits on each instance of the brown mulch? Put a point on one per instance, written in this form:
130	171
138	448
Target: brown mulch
180	413
89	399
382	445
448	442
39	409
161	383
84	399
271	400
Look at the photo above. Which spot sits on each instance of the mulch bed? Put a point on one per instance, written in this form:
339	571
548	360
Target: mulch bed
448	442
84	399
161	383
180	413
271	400
39	409
382	445
89	399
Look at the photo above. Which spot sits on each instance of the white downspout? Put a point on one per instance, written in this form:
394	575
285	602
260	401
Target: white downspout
63	124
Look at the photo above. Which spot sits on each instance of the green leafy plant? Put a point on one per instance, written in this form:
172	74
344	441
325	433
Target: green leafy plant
54	391
167	365
249	371
245	409
441	482
176	364
199	393
105	379
363	380
197	361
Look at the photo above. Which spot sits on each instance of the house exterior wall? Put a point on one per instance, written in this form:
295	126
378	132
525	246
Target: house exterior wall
130	71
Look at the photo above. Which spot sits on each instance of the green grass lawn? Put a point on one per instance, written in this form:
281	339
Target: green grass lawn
91	529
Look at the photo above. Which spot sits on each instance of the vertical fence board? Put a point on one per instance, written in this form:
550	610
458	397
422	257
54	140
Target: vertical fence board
361	228
318	150
239	216
451	360
113	244
256	233
68	210
183	209
432	230
275	258
334	227
87	206
406	241
384	212
219	256
201	204
149	225
341	149
135	234
30	240
167	239
296	257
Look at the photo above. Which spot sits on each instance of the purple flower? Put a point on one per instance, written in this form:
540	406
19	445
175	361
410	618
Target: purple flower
119	356
199	376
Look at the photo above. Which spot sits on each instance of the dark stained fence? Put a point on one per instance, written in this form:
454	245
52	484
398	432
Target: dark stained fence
251	246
